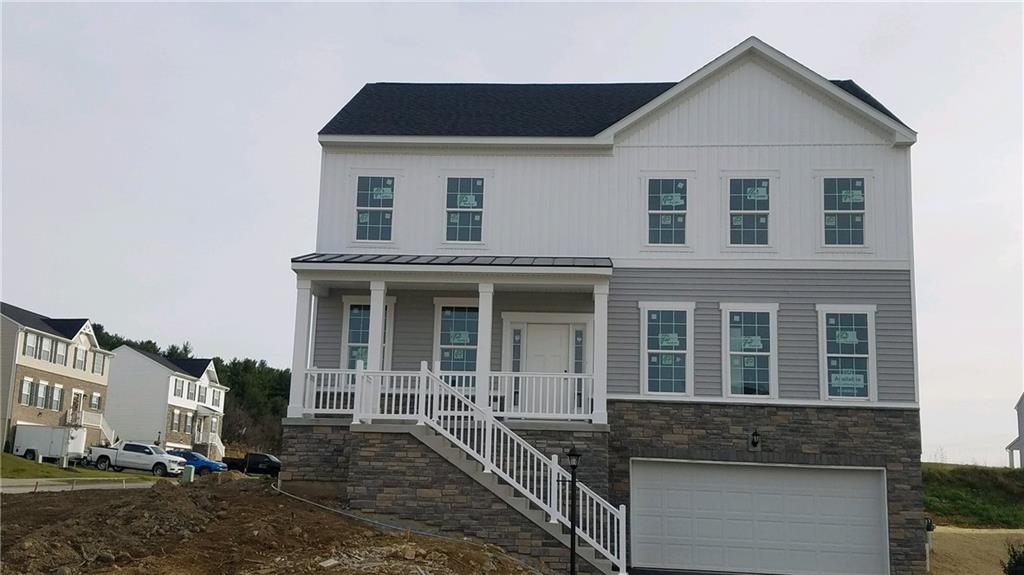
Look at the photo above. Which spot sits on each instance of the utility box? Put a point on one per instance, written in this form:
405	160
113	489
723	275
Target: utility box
188	475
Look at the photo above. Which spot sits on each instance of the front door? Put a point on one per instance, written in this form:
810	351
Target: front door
547	348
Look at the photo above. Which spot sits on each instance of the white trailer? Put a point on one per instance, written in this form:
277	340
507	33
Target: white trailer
46	442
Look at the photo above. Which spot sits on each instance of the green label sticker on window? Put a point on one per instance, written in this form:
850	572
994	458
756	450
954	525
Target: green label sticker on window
666	220
737	220
458	354
758	192
846	336
446	354
680	219
383	193
459	337
364	218
387	215
357	353
857	219
852	196
654	359
453	218
748	362
467	201
476	218
830	220
763	219
668	360
752	342
668	339
846	378
681	184
672	200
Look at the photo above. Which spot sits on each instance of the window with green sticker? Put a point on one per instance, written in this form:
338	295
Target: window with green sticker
666	346
844	211
375	205
458	338
749	348
749	211
666	211
847	354
464	209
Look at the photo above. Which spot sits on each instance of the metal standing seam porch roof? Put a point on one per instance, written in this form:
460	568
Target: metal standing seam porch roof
474	260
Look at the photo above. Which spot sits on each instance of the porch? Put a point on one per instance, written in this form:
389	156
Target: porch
522	341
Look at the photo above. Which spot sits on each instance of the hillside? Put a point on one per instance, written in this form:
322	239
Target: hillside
973	496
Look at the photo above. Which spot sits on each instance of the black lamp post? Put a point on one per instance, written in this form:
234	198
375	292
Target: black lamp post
574	461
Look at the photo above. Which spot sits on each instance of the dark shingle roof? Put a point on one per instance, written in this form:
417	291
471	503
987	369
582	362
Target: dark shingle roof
505	110
61	327
194	367
393	259
524	110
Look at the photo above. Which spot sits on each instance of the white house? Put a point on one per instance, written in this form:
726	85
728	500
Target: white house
704	285
1018	444
178	402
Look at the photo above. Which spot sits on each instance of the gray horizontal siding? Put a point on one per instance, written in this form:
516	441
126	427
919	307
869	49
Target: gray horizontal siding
796	291
327	332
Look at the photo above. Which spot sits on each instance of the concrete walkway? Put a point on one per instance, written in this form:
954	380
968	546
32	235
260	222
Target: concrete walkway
61	484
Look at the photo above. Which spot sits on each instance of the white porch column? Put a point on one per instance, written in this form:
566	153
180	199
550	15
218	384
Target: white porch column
483	345
375	350
300	350
601	353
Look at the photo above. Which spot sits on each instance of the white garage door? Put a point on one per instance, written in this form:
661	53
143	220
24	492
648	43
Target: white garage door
757	518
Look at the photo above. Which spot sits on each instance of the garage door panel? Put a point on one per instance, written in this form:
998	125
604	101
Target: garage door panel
764	519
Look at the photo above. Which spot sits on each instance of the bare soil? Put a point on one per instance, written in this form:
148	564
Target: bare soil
960	551
223	524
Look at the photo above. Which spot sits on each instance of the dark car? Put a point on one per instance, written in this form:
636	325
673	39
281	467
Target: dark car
203	464
261	463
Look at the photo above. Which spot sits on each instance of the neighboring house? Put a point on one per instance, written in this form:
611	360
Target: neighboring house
179	402
54	373
706	286
1018	444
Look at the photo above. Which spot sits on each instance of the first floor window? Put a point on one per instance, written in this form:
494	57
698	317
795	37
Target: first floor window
60	355
464	209
41	394
375	206
749	333
666	211
847	351
176	421
188	422
749	211
213	425
458	338
666	330
357	332
96	402
31	344
844	211
57	401
79	358
26	391
97	363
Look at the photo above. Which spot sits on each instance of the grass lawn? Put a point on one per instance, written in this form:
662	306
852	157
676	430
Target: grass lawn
13	467
972	496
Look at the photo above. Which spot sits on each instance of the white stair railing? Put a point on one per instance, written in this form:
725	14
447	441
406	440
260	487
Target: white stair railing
430	400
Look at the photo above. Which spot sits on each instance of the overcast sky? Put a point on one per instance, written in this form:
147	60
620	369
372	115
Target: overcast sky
160	164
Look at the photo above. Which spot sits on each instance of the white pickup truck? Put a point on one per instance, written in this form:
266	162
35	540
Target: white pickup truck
135	455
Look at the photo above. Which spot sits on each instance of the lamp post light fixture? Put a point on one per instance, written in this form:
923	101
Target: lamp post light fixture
574	461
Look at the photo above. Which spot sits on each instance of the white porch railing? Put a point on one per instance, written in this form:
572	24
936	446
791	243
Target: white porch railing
542	396
93	419
329	391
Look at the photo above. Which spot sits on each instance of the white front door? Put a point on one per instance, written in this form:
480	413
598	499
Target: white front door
547	348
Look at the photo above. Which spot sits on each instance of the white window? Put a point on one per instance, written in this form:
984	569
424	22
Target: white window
844	211
847	351
57	401
750	349
356	327
96	402
26	391
749	212
97	363
188	423
456	335
79	358
666	330
179	387
464	209
31	344
42	394
45	349
202	394
666	211
176	421
61	353
192	390
375	206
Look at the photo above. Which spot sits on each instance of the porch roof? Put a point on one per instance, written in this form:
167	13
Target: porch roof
460	260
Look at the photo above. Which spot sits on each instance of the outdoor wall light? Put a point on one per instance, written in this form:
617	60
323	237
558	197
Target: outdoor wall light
754	441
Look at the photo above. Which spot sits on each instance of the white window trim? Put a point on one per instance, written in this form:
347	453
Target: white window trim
176	421
488	177
91	402
35	345
689	308
870	310
41	386
31	395
347	302
49	353
691	222
870	191
513	320
85	359
53	394
773	357
774	179
57	344
440	302
354	176
103	364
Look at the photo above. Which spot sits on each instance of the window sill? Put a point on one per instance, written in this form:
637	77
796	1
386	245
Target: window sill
749	248
667	248
462	246
858	250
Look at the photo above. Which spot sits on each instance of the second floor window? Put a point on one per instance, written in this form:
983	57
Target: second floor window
31	344
79	358
97	363
844	211
375	206
179	387
202	394
749	211
666	211
96	402
216	398
192	390
60	356
464	210
45	349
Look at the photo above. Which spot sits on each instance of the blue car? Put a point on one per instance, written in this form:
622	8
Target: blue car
203	464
